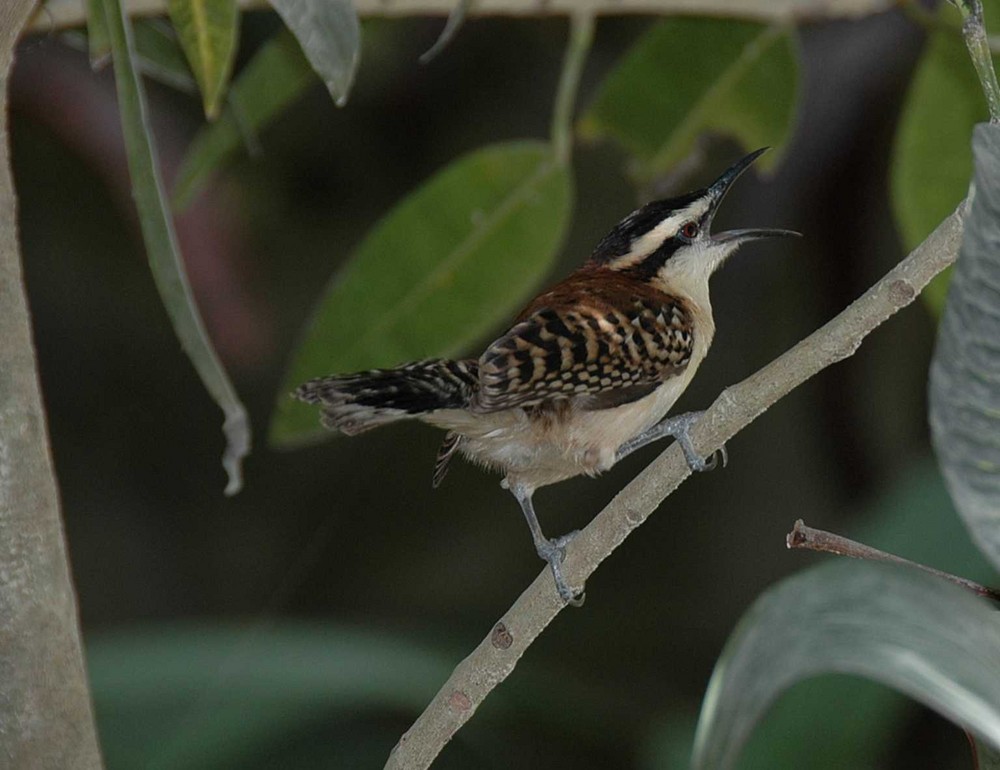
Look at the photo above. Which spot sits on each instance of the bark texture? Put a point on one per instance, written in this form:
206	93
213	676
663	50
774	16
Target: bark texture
45	713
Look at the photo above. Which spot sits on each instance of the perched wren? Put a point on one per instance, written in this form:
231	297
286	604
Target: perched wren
586	374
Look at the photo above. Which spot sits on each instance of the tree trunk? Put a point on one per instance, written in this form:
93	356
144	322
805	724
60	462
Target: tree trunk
45	713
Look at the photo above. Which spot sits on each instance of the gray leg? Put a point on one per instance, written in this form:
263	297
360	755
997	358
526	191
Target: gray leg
680	429
552	551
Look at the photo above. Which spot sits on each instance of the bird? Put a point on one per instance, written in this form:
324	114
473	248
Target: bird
584	376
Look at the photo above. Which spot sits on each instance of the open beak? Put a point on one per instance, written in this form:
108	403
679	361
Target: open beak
755	234
718	191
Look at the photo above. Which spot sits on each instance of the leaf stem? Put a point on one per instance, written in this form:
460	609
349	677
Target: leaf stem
976	40
581	34
803	536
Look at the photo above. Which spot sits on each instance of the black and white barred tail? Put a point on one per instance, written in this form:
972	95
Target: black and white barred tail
354	403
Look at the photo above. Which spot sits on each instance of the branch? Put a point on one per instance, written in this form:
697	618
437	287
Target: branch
805	537
45	716
56	14
495	657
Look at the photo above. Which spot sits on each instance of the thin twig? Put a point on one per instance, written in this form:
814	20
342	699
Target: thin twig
803	536
497	655
58	14
977	41
581	34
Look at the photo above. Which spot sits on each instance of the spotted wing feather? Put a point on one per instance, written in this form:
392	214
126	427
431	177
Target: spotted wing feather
599	355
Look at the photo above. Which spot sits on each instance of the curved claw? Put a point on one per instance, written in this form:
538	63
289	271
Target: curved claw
554	551
712	461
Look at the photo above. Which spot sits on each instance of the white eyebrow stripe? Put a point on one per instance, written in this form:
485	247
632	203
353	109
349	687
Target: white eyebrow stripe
649	242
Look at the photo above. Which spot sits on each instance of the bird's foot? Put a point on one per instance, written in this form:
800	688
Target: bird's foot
554	551
680	428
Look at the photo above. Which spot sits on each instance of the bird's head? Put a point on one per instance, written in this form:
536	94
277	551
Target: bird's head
669	243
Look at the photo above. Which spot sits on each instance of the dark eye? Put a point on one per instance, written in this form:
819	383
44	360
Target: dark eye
690	230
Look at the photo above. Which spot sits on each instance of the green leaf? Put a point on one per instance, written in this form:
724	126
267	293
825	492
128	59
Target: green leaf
914	518
161	243
209	34
216	696
916	633
276	76
932	160
159	55
97	34
964	390
443	268
688	76
330	36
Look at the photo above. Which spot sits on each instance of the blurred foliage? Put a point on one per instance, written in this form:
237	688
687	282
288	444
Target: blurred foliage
932	157
438	272
689	76
195	696
276	76
209	33
220	696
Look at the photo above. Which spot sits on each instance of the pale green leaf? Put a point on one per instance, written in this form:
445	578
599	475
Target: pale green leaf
161	243
964	391
209	34
330	36
276	76
916	633
689	76
932	160
449	263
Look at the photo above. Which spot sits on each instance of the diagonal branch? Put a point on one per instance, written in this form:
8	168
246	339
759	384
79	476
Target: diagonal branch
495	657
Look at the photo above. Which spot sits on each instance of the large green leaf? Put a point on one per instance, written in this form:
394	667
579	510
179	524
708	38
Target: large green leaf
162	249
330	35
964	391
443	268
916	633
217	696
276	76
932	160
687	76
914	518
209	34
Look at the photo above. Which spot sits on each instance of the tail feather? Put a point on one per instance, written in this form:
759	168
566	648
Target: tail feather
354	403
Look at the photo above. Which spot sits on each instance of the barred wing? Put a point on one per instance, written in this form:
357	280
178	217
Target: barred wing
601	355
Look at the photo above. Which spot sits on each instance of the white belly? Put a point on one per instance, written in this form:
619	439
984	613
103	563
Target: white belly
537	452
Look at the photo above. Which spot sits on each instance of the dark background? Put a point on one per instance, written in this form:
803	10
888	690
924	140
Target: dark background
348	538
